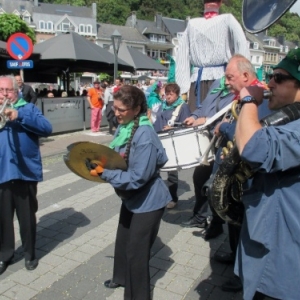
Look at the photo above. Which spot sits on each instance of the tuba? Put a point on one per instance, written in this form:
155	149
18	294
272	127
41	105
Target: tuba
224	188
3	117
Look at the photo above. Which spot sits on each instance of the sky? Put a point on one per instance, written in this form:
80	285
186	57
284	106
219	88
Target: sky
296	7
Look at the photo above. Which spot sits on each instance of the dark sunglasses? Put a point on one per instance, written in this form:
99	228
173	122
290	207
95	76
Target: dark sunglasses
279	77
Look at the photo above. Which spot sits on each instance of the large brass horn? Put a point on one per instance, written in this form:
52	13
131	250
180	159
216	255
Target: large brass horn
235	104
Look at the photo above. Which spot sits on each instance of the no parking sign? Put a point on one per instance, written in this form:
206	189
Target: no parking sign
19	46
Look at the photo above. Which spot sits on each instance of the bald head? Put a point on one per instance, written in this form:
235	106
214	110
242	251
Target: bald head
239	73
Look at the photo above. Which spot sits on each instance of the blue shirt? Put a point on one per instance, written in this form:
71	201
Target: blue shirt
213	102
140	187
163	116
269	250
20	156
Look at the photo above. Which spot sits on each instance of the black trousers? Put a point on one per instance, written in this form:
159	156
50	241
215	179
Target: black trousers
111	118
19	196
135	236
200	176
172	183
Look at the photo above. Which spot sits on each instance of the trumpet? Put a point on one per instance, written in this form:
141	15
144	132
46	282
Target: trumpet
3	117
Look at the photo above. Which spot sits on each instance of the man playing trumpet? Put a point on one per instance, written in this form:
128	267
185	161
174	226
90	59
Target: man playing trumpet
21	165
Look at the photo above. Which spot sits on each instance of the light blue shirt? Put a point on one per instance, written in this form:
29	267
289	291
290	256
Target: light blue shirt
140	187
268	258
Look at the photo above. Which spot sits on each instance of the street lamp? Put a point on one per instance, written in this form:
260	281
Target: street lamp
116	38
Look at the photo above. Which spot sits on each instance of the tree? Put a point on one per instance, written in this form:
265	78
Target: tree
11	24
112	12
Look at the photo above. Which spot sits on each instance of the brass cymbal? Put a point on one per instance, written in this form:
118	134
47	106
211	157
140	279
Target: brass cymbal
80	151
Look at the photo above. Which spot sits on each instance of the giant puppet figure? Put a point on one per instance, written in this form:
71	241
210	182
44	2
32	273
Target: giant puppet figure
204	49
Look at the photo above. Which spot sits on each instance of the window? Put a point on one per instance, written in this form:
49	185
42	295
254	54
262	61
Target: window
49	25
153	37
154	54
26	19
286	49
64	26
81	28
255	45
257	59
89	28
85	28
163	55
162	38
42	25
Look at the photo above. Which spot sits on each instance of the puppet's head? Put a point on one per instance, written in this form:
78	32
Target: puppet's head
211	8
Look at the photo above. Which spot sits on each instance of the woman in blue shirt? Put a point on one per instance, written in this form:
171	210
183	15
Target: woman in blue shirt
141	189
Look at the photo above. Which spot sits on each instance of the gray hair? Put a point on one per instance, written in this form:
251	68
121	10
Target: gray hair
13	79
243	64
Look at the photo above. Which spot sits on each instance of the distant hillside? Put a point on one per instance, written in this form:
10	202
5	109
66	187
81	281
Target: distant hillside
117	11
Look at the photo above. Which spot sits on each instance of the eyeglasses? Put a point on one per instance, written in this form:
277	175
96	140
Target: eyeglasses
120	110
279	77
7	91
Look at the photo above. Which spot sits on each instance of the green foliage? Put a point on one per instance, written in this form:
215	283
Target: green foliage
104	76
112	12
11	24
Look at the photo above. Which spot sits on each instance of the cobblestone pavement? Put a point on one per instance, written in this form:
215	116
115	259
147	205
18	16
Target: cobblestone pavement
77	221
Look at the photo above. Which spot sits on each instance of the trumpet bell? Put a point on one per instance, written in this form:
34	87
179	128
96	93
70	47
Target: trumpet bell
2	121
259	15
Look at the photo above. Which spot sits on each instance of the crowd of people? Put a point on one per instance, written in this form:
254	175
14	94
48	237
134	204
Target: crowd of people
265	247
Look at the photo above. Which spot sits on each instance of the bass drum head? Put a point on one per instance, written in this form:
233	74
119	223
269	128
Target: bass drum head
258	15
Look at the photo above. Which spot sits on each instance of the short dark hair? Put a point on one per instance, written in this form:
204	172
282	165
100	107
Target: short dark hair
172	87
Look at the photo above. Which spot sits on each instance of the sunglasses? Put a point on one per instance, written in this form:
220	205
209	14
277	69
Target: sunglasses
120	110
279	77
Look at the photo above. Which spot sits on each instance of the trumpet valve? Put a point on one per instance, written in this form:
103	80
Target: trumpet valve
230	145
225	151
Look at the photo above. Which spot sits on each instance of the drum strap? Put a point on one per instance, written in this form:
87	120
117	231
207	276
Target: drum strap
175	113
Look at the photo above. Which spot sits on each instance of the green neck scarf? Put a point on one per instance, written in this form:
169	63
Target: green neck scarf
125	132
222	87
19	103
165	105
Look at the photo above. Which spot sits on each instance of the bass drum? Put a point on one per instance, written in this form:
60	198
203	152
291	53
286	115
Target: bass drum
185	147
258	15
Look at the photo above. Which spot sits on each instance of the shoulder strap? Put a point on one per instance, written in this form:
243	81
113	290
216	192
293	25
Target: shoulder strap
175	113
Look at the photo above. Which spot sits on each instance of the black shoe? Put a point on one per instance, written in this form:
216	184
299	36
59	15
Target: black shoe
213	231
192	222
232	285
111	285
224	258
3	266
31	264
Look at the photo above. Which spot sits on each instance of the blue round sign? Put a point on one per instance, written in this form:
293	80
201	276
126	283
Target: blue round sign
19	46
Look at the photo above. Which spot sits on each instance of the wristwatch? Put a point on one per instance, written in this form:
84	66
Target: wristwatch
248	99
